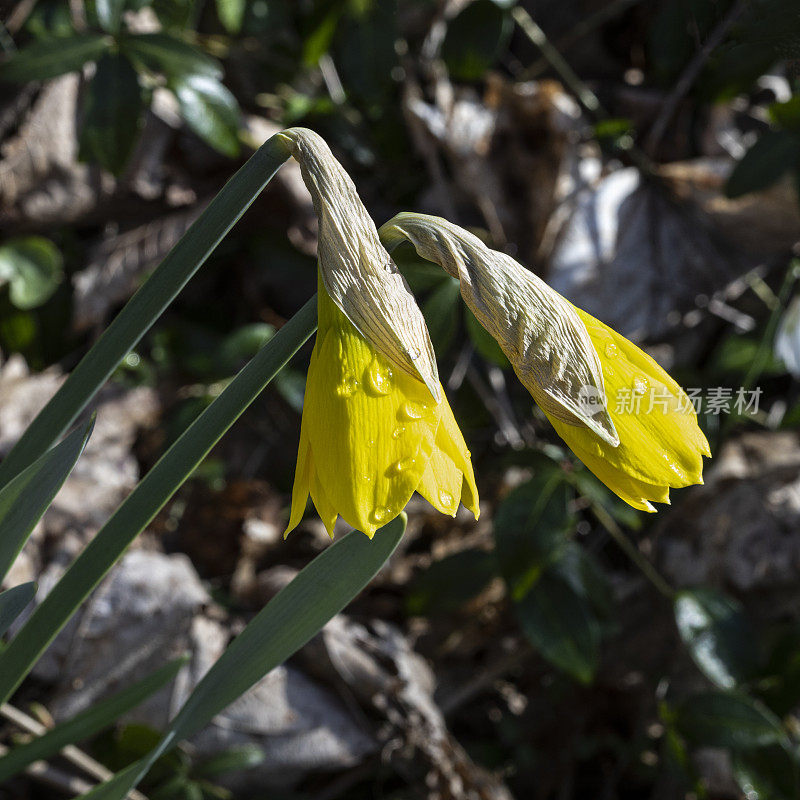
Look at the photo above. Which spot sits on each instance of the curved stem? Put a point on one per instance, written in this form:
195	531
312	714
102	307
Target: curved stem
633	552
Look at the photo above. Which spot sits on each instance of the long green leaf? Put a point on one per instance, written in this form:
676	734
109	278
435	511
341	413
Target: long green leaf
144	502
87	723
284	625
145	307
54	56
26	498
13	602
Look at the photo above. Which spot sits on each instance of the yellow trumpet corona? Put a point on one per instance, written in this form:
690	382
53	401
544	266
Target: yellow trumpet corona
660	446
372	434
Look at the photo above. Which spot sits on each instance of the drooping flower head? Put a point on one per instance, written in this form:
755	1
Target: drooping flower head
615	407
376	424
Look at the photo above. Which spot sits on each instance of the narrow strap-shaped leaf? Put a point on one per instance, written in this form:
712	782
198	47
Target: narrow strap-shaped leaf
26	498
13	602
145	307
88	722
144	502
283	626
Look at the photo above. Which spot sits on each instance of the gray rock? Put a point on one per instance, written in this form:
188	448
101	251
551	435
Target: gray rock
740	529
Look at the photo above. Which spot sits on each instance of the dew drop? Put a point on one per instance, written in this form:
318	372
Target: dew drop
403	465
640	385
445	498
398	432
379	379
611	350
412	410
379	514
414	353
347	387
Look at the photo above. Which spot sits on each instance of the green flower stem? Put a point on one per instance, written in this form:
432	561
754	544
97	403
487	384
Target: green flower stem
632	551
145	307
150	495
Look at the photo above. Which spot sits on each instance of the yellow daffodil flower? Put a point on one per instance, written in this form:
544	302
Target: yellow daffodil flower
376	424
616	408
660	443
371	435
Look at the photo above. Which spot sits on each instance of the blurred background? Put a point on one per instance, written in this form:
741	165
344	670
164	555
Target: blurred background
641	156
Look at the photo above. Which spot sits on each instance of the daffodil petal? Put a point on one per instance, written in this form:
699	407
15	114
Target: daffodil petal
302	482
372	428
451	441
443	479
661	444
326	510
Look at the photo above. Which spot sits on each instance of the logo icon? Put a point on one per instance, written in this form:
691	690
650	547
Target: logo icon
590	400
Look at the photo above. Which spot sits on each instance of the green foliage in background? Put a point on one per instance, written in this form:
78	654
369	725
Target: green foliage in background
128	68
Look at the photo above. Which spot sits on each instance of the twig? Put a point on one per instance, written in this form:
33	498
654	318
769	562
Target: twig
689	76
73	754
578	31
632	551
778	305
486	677
460	368
331	78
78	14
56	779
586	97
766	342
345	782
17	17
412	96
505	422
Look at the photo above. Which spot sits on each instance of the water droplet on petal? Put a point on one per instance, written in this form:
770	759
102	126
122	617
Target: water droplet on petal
379	378
445	498
412	410
379	514
640	385
611	350
347	387
398	432
414	353
403	465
